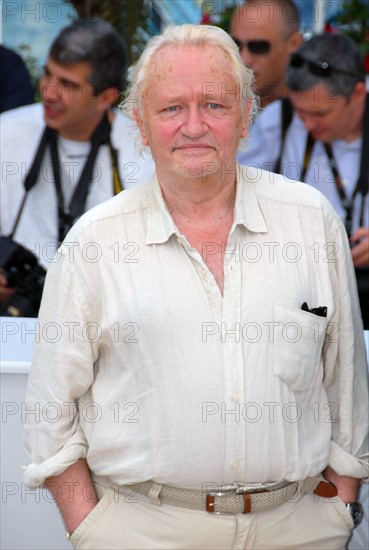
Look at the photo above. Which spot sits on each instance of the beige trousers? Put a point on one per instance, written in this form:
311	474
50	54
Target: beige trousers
122	522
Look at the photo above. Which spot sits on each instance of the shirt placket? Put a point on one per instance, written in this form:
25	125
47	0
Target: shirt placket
210	286
231	336
227	312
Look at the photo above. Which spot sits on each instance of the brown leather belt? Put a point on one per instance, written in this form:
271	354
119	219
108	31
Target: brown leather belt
237	498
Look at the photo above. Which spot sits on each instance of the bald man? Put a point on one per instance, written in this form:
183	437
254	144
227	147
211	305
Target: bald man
267	33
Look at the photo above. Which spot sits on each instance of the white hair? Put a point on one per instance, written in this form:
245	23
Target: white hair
189	35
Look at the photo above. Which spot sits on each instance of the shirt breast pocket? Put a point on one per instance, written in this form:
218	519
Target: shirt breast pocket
298	343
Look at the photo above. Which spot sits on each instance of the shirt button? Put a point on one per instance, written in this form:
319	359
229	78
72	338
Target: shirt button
236	396
204	273
235	464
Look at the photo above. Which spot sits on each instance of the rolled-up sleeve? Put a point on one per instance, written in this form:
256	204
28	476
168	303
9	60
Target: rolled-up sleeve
62	371
346	374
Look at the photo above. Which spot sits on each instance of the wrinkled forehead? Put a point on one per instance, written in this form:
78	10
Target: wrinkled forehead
172	60
193	67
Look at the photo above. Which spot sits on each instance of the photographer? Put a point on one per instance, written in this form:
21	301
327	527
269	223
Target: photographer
325	142
67	154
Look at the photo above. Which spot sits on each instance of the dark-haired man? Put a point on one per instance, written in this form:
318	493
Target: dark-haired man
267	32
73	151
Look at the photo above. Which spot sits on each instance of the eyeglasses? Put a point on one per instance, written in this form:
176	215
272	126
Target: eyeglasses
257	47
319	68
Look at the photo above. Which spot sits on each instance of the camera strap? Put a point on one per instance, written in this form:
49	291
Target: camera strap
362	183
286	119
32	176
101	136
77	204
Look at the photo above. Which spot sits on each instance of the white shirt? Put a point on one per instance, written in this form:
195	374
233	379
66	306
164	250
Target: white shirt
263	147
179	384
20	132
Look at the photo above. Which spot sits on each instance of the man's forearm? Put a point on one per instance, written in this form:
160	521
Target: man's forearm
347	487
74	493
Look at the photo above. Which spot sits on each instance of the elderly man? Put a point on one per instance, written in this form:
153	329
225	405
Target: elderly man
204	375
326	143
267	32
70	152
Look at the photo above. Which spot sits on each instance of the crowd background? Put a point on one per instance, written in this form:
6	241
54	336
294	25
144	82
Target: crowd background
29	27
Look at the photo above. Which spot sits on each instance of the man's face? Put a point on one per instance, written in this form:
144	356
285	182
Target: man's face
70	106
328	117
264	22
192	116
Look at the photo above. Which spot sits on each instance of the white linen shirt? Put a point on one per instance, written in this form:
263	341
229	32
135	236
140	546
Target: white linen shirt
263	147
175	382
20	132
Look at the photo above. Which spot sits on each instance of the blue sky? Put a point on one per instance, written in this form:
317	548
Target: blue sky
35	23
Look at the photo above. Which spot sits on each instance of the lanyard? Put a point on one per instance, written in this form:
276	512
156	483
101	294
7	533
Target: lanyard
362	183
347	204
307	156
101	136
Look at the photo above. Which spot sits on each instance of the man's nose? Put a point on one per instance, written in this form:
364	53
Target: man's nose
309	122
49	89
194	125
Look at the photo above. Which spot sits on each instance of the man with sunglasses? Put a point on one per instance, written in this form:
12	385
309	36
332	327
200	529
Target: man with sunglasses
267	32
324	143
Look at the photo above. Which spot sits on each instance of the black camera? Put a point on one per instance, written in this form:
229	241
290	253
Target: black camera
25	275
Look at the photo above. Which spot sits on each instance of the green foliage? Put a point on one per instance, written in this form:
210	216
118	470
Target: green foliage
221	19
354	21
225	19
33	67
129	17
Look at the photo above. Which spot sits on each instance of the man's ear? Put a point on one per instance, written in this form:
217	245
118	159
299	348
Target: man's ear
295	41
359	92
140	123
107	98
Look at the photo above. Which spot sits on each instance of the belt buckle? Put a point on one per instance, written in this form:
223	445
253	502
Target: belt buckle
242	489
210	499
238	489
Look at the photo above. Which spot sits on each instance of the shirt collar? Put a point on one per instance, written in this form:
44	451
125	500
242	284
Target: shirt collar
160	225
247	211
